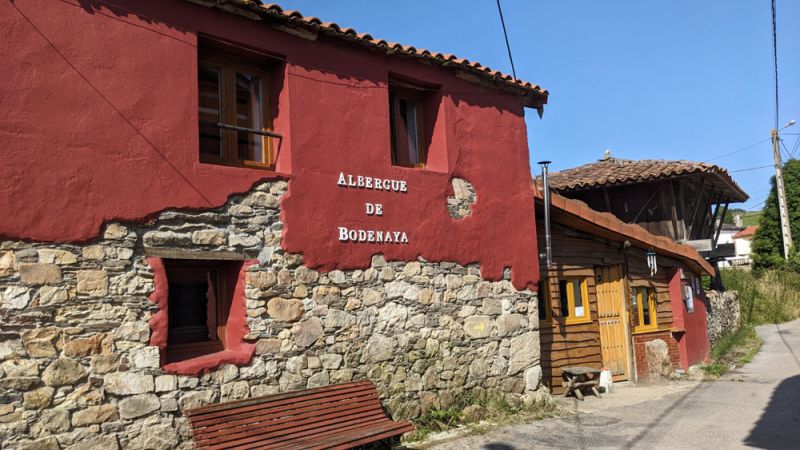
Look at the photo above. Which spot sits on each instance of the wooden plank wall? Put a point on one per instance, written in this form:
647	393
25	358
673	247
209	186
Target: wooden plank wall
576	253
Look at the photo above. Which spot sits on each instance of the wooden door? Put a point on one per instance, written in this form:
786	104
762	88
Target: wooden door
611	313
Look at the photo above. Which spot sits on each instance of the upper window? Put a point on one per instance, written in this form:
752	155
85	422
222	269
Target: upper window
199	302
574	300
405	115
233	112
646	308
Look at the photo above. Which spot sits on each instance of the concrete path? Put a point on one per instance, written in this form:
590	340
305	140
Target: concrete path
755	406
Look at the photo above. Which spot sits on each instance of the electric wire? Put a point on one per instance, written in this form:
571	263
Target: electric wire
737	150
750	168
775	58
505	35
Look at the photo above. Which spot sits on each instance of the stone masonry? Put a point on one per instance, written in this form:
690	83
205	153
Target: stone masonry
77	370
723	314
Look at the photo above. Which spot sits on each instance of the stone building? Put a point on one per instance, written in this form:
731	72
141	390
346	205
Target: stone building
212	200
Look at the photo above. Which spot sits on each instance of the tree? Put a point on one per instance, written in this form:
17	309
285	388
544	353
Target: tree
728	218
768	242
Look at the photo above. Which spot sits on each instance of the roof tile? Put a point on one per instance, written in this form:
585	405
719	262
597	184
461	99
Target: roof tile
615	171
533	95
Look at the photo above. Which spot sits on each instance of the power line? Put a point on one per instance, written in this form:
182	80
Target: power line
774	58
789	155
749	169
508	46
738	150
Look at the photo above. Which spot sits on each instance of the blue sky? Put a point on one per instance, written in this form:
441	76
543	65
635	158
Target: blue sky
648	80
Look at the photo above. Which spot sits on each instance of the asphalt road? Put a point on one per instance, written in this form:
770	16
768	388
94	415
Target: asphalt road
755	406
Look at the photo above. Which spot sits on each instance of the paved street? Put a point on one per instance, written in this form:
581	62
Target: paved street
755	406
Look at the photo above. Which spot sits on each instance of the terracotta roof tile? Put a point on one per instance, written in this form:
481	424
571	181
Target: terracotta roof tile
747	232
640	237
533	96
615	172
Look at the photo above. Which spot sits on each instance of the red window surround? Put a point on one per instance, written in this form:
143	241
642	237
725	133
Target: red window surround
237	351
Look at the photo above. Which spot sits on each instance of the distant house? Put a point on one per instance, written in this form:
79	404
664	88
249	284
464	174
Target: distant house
742	242
618	297
681	200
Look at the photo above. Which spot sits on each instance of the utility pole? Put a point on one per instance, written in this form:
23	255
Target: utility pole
786	231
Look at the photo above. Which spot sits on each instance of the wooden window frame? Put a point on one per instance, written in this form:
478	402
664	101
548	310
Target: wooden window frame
572	319
221	308
652	306
543	294
229	66
399	90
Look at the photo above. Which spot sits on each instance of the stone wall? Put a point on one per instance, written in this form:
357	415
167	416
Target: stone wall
723	313
77	369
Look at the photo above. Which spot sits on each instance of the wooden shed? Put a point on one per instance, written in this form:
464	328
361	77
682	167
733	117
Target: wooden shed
613	288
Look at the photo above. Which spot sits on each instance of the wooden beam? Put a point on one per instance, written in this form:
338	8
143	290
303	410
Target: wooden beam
713	224
681	209
174	253
673	211
607	199
719	228
696	207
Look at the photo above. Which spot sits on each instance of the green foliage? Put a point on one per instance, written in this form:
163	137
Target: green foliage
767	244
751	218
733	350
494	405
728	218
769	296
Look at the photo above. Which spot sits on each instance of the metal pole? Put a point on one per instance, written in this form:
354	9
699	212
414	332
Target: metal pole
786	231
546	195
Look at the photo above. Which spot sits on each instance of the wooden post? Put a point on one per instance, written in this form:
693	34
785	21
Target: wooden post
673	211
719	228
696	207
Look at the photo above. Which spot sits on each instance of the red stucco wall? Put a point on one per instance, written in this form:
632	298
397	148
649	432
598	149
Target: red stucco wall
99	123
692	327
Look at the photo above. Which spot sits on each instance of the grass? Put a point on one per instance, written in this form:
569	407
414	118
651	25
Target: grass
733	350
769	297
772	297
494	406
750	218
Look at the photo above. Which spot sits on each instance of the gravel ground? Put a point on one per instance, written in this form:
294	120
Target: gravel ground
755	406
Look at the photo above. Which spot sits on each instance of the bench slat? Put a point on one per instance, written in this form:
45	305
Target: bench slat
277	399
349	438
281	423
314	434
337	416
267	413
273	429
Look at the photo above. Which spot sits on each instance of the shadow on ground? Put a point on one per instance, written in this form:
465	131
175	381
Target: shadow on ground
779	425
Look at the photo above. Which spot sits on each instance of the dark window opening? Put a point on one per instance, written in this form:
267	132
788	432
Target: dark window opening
199	302
543	299
406	108
563	297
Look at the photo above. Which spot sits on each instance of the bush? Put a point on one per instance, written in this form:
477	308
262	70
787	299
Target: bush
771	296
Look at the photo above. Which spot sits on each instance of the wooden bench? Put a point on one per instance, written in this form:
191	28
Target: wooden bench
577	378
332	417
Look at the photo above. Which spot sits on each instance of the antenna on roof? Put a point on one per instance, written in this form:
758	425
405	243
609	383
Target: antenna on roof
607	154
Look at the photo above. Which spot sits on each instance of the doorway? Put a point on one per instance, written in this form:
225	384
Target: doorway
613	320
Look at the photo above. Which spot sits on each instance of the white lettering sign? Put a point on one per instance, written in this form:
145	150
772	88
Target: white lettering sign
386	237
374	209
365	182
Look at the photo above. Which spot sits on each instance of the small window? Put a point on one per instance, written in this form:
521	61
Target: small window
646	308
543	297
573	299
233	111
405	117
198	305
